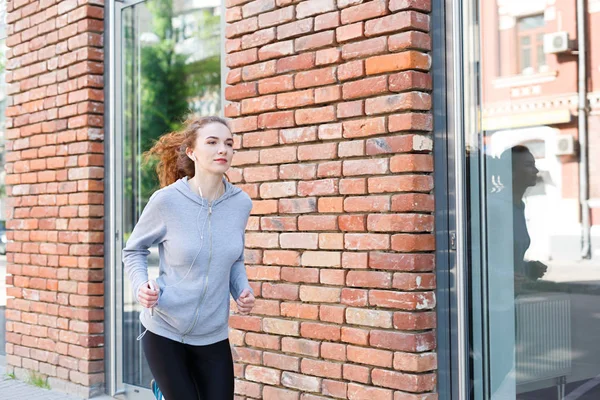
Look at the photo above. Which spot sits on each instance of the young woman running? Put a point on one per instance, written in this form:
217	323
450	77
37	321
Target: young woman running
198	220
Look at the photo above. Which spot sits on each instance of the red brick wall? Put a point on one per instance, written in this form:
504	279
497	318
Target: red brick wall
330	105
55	185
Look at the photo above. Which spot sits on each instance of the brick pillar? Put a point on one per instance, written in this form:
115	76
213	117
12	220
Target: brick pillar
331	108
55	187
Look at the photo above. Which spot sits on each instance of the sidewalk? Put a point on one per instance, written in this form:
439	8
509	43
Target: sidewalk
13	389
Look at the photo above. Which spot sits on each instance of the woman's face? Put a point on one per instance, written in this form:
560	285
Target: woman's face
524	170
214	149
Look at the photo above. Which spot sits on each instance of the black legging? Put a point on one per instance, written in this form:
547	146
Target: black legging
186	372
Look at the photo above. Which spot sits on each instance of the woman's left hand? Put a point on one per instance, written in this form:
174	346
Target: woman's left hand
245	302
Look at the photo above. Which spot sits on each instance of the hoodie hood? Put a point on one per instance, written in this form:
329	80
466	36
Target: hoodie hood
183	187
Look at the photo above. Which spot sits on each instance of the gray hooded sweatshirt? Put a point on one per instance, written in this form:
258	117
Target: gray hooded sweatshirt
201	250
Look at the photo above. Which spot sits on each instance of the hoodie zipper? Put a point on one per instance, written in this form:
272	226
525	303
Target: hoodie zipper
206	280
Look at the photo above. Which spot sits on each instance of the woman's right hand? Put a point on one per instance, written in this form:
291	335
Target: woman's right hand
147	296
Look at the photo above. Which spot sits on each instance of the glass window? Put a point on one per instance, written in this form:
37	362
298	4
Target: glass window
533	224
170	66
530	32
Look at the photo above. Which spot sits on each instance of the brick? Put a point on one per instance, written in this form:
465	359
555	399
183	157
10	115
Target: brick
410	40
295	29
356	373
317	223
319	331
412	281
330	131
281	257
281	119
300	275
404	183
327	94
278	224
331	241
239	28
257	7
258	38
352	148
352	223
276	84
299	240
400	223
364	127
321	294
401	262
269	376
241	91
242	58
258	104
262	240
333	351
295	99
324	369
365	167
402	381
330	169
364	88
277	190
376	357
365	48
260	70
361	392
330	204
300	346
300	311
276	50
260	139
296	63
419	5
363	12
307	116
398	102
281	326
403	301
276	17
350	70
315	41
415	362
327	21
323	151
402	21
397	62
298	171
248	388
412	202
273	393
345	33
401	341
298	206
367	203
318	77
313	7
301	382
409	320
263	341
298	135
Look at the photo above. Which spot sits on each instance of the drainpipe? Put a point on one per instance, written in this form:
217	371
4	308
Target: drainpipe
582	129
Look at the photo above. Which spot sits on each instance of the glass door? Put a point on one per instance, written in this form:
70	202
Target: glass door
166	65
531	254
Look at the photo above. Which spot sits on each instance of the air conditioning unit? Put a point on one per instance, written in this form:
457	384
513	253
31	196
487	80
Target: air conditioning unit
564	145
558	42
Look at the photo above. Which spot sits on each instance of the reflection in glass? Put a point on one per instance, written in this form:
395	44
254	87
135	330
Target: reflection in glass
540	298
170	63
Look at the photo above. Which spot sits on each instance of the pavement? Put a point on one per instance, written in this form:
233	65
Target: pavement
14	389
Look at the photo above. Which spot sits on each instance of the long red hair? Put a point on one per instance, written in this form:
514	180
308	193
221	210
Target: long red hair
173	162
